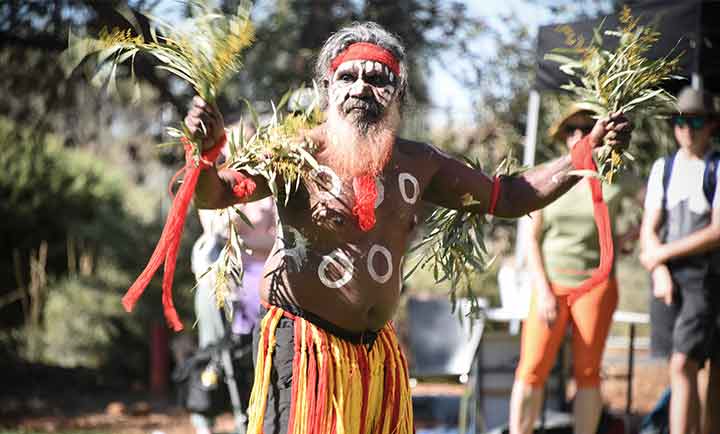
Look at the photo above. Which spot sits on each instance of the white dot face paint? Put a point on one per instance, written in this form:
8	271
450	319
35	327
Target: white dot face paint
403	180
375	250
341	263
353	76
380	188
329	181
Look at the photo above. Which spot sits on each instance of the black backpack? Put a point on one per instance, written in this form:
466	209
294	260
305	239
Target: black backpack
211	398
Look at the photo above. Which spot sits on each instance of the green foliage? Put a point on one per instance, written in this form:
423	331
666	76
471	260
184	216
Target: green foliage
279	150
86	326
454	249
78	205
50	194
204	51
280	153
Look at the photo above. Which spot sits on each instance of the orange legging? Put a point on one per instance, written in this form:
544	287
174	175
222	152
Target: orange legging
591	316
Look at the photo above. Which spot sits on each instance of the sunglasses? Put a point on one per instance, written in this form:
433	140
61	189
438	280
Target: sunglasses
570	129
694	122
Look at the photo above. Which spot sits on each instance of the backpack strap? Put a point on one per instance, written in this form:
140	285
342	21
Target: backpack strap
667	171
710	176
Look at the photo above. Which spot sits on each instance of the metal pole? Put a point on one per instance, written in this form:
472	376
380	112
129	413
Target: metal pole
531	128
696	81
231	382
631	363
529	147
479	416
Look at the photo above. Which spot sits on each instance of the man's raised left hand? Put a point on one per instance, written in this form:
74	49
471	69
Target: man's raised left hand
615	129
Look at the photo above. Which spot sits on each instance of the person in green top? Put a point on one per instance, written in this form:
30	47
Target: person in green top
563	250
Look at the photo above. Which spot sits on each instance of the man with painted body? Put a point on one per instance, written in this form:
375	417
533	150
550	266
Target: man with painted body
326	344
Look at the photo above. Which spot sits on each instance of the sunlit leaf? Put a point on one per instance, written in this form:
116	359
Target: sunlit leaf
619	80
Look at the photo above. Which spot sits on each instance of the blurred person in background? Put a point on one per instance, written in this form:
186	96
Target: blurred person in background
680	239
563	250
258	241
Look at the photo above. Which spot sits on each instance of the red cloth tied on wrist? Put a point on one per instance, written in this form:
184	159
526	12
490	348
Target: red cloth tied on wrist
367	51
244	186
582	159
167	247
365	197
494	195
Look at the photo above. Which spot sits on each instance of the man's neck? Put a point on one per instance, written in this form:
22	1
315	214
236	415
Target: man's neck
695	151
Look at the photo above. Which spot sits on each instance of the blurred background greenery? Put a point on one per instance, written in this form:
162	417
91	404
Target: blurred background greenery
83	183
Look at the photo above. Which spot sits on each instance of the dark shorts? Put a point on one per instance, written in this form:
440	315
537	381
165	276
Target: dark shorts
277	412
691	325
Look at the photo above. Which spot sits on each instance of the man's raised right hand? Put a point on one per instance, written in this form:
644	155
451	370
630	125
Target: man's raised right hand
205	123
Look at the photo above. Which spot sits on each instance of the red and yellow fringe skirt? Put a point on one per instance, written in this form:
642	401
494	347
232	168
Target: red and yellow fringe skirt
337	387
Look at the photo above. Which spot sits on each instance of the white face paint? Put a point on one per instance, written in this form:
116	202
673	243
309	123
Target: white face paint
340	262
374	250
329	180
403	180
361	79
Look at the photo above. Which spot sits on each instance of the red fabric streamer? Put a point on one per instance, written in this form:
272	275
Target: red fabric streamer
167	247
365	196
582	159
244	186
494	195
367	51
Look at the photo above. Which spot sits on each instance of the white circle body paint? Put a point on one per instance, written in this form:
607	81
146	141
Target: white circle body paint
335	182
340	260
403	180
374	250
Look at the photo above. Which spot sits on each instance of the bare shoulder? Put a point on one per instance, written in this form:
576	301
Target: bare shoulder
418	150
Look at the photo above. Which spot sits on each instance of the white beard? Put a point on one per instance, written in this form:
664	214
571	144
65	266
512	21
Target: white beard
355	150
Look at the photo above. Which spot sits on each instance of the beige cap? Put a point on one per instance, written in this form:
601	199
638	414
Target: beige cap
695	102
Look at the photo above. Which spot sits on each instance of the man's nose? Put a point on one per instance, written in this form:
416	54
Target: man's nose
360	88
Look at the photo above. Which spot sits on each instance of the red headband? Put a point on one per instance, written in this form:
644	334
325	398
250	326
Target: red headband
367	51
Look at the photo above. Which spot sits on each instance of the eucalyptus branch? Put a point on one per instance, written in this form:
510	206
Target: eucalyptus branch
205	51
621	80
279	151
453	249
